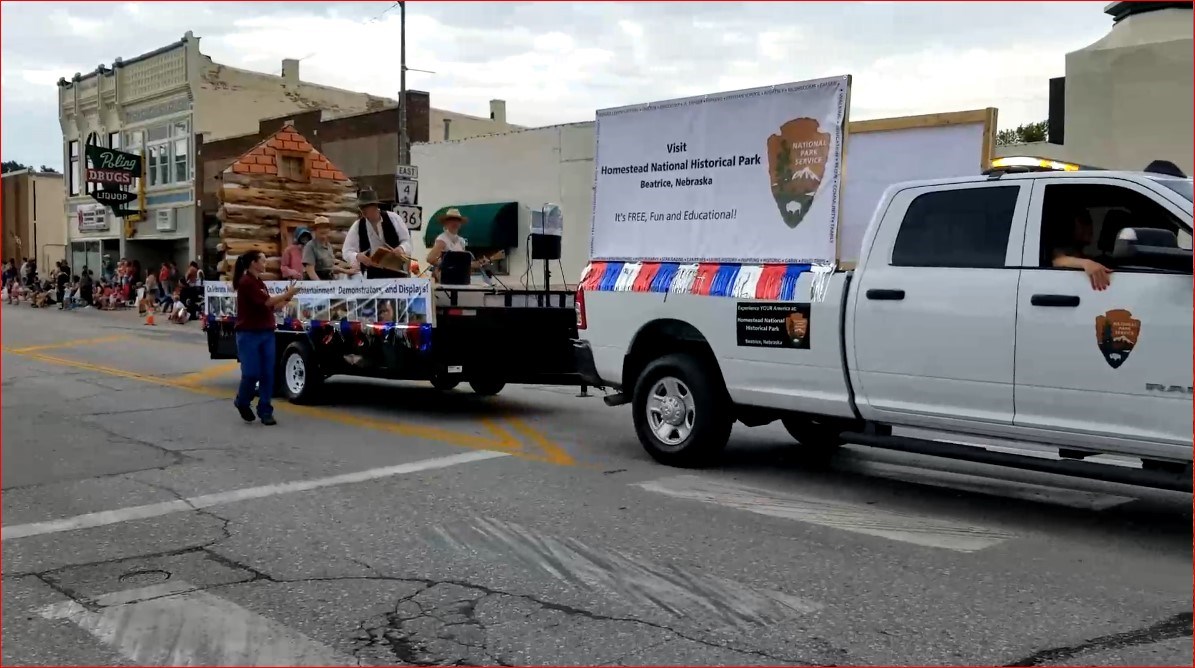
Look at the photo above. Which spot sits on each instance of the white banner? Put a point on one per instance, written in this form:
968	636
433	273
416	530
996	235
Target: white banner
748	176
402	301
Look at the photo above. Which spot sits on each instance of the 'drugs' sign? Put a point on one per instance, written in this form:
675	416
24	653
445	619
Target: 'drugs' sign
748	176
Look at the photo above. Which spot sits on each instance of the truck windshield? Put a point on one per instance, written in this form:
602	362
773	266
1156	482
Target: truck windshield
1180	186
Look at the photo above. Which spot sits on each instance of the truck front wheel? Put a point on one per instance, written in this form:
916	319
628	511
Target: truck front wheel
301	377
681	412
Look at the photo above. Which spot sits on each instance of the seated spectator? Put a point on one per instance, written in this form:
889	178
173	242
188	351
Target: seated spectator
178	310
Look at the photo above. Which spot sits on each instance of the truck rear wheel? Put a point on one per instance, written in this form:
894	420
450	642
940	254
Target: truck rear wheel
816	441
301	377
487	387
681	412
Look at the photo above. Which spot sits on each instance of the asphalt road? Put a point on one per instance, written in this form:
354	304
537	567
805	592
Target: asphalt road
144	523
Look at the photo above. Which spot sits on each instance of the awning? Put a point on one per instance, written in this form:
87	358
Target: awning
491	226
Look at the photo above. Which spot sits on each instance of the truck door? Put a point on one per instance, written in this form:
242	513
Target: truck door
934	312
1107	368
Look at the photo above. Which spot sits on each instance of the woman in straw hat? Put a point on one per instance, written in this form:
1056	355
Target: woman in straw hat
450	240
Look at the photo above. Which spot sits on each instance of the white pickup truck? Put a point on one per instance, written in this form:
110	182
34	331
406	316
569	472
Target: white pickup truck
954	321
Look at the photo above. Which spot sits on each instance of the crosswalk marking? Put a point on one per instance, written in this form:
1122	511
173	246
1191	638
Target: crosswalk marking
905	527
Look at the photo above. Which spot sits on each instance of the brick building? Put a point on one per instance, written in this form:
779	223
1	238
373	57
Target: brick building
33	223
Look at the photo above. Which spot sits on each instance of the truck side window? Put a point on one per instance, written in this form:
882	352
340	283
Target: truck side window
967	227
1106	210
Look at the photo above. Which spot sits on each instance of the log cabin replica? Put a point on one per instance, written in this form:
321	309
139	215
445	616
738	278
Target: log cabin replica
280	185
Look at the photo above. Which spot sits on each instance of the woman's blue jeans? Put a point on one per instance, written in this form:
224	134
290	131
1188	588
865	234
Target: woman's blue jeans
255	350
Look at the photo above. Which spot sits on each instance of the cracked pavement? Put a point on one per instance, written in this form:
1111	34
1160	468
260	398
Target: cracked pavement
525	559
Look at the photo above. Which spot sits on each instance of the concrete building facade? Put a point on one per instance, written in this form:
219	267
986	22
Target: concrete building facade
33	223
1126	99
162	104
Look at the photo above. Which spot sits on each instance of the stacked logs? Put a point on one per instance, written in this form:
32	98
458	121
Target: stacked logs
255	203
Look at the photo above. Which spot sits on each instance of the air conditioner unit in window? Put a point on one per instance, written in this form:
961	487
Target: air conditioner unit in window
164	220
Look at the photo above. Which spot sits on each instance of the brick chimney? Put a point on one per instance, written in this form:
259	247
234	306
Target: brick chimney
290	70
498	111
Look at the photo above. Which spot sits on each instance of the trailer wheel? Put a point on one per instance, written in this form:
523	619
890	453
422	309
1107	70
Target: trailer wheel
444	384
816	441
487	388
301	377
681	412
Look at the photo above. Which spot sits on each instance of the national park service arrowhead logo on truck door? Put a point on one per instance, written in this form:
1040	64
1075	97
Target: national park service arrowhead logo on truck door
797	159
1116	334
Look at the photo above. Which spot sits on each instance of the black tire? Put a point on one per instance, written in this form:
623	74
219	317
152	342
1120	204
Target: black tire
816	441
487	387
305	385
700	426
444	384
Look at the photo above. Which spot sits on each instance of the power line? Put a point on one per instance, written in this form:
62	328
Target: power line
375	19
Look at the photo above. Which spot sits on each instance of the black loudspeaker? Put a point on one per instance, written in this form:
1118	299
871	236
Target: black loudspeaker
456	268
545	247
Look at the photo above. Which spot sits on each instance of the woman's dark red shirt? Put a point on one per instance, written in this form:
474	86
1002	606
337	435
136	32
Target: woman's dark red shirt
252	312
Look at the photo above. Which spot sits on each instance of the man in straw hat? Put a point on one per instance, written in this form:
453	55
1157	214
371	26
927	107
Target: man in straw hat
375	229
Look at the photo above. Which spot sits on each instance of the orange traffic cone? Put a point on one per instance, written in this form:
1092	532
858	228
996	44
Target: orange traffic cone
149	319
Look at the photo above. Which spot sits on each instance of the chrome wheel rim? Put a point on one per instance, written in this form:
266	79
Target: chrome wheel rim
296	374
671	412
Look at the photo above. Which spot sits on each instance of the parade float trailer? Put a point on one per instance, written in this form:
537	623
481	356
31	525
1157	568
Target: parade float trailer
411	328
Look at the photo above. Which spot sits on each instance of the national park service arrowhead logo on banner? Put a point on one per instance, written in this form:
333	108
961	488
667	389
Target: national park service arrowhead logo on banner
797	159
1116	334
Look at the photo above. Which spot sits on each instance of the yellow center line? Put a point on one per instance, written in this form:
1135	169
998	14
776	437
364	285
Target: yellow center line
67	344
504	442
553	452
208	374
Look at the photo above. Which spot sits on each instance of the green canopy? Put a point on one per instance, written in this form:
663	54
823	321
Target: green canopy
491	226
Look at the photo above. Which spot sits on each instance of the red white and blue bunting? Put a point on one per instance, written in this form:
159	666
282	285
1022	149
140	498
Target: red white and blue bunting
773	282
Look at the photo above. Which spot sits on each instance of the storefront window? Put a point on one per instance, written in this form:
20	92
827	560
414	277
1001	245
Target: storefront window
85	254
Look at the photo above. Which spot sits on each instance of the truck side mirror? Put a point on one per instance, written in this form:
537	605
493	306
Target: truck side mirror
1152	248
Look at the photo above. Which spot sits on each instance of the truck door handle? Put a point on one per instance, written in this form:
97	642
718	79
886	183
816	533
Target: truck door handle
886	295
1066	301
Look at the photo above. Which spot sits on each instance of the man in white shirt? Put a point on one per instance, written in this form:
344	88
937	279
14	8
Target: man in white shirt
374	229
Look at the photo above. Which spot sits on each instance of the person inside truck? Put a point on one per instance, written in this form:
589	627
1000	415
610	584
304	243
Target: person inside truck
1068	252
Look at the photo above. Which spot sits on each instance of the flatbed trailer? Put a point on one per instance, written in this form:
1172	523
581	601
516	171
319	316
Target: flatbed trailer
486	336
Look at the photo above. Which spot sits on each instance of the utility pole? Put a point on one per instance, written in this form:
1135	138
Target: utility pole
404	148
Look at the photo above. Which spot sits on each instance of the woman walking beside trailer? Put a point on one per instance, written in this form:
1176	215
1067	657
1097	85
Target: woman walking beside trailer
255	335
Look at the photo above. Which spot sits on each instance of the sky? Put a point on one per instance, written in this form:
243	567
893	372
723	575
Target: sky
557	62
